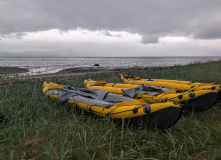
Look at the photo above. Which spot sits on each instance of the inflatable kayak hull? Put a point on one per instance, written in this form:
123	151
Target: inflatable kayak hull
163	119
201	103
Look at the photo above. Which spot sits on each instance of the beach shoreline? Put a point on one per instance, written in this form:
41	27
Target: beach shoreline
38	66
64	74
4	70
10	70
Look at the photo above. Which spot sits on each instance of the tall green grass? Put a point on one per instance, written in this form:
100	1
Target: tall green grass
35	127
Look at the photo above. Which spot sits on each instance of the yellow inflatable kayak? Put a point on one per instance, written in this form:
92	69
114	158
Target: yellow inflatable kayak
170	83
198	101
162	115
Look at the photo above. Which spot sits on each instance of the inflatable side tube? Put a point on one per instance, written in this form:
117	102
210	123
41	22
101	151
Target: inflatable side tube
219	95
162	119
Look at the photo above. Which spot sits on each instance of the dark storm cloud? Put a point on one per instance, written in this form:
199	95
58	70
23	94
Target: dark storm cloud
151	19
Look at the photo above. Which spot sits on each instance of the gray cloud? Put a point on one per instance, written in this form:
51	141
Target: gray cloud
149	18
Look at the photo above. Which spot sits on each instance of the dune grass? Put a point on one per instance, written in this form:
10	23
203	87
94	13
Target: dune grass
35	127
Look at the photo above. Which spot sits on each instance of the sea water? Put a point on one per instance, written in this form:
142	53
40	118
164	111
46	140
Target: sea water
52	65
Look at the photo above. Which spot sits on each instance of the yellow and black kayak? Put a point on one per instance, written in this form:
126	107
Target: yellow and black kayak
181	85
198	101
105	104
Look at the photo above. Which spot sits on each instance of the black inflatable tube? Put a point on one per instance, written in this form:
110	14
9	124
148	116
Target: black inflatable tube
201	103
161	119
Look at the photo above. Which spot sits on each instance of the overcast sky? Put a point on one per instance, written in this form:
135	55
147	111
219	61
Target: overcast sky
111	27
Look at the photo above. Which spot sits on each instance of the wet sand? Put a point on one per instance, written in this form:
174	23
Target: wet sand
12	70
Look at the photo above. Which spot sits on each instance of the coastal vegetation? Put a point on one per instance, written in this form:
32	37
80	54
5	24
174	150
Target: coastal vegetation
35	127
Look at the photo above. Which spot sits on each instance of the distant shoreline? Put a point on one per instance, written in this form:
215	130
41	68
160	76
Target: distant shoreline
85	72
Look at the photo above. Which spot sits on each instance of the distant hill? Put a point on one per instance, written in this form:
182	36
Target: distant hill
59	53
